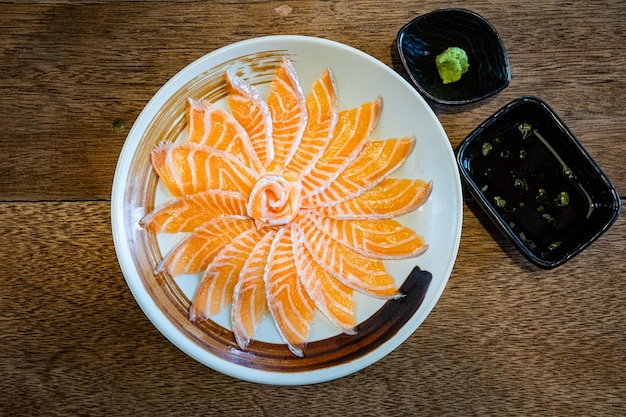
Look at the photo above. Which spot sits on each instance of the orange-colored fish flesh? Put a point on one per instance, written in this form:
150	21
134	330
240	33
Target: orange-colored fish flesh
288	206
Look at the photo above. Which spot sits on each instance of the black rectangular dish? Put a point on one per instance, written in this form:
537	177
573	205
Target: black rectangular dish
535	180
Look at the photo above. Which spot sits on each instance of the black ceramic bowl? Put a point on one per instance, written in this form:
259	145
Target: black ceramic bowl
421	40
537	183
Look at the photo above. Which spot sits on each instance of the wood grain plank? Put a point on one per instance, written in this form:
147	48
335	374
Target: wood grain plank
505	338
74	76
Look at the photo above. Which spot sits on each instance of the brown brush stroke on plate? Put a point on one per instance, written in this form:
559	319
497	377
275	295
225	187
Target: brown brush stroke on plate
167	125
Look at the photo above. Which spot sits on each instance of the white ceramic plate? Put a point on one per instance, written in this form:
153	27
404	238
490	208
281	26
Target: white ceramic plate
383	325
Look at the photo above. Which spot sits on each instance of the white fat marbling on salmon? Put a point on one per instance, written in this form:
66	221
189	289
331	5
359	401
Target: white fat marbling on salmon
359	272
351	135
380	239
333	298
186	213
321	105
249	305
253	114
290	305
194	253
217	285
391	198
377	161
189	168
287	107
214	127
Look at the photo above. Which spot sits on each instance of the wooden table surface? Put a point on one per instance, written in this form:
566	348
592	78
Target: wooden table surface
506	338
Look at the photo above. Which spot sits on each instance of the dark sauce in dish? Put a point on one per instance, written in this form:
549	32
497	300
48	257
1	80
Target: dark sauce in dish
530	186
537	182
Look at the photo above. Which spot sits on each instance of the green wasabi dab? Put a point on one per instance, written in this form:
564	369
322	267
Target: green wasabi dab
452	64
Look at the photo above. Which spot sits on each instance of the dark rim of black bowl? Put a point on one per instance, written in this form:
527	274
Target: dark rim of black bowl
610	209
503	59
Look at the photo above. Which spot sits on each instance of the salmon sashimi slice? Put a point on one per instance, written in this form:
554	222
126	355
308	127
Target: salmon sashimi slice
357	271
351	135
391	198
287	299
249	305
190	168
381	239
214	127
321	106
333	299
287	107
377	161
253	114
217	287
195	252
186	213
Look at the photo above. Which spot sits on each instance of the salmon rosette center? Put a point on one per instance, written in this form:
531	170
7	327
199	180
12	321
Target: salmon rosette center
288	207
274	201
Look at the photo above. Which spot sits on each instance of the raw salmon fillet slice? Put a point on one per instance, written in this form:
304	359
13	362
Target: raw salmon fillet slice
249	298
391	198
287	107
194	253
377	161
357	271
381	239
186	213
287	299
214	127
331	297
351	135
253	115
321	107
217	287
190	168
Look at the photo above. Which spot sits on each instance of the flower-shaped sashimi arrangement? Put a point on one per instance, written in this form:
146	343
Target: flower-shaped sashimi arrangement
288	204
